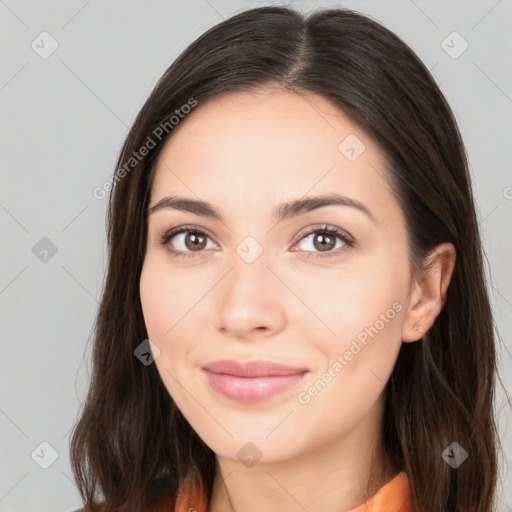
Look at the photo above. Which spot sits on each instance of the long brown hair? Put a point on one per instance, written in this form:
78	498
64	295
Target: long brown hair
131	447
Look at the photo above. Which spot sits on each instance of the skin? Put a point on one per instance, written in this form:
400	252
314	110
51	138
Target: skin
245	153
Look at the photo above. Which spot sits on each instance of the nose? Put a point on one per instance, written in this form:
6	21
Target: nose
250	300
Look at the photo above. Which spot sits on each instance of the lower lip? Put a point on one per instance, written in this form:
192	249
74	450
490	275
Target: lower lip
252	389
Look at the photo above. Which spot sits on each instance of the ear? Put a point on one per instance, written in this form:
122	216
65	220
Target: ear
428	293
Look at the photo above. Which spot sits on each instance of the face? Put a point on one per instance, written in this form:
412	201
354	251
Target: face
321	289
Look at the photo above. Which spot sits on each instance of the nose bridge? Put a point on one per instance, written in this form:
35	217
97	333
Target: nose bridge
245	301
250	275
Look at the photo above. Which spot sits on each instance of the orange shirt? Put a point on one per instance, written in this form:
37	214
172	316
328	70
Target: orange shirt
391	497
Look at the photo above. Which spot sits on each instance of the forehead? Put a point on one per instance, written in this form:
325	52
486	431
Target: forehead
268	146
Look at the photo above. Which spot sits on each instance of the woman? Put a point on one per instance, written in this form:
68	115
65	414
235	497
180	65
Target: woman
295	314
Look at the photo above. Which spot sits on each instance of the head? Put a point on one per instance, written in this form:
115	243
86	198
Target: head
329	225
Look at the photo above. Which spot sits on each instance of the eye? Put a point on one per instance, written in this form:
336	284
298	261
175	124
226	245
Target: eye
321	241
193	241
324	238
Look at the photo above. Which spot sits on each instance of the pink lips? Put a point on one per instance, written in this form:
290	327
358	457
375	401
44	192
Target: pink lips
252	381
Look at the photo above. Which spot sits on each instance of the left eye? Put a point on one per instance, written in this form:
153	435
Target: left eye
320	241
325	241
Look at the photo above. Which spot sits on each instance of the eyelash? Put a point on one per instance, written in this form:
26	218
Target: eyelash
325	229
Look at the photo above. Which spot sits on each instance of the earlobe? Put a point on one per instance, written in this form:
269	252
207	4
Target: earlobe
429	293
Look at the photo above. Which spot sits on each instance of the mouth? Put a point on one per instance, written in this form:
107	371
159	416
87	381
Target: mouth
252	381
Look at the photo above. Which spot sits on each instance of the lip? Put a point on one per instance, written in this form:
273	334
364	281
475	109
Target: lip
252	381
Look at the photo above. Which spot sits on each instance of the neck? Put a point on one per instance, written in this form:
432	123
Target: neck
336	477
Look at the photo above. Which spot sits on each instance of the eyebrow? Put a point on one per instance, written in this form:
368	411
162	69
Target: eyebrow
282	212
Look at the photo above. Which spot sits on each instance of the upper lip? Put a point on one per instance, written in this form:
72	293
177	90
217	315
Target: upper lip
251	368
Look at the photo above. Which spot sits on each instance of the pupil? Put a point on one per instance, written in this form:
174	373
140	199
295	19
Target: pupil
322	238
195	241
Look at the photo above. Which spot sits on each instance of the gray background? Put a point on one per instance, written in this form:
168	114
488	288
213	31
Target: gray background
64	118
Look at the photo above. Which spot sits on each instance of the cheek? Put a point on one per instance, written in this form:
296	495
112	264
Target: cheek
162	297
357	334
171	305
162	313
358	357
344	302
155	301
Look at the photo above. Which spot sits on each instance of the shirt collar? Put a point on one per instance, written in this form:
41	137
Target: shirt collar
391	497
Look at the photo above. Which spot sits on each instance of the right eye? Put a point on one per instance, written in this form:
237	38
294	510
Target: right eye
188	238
